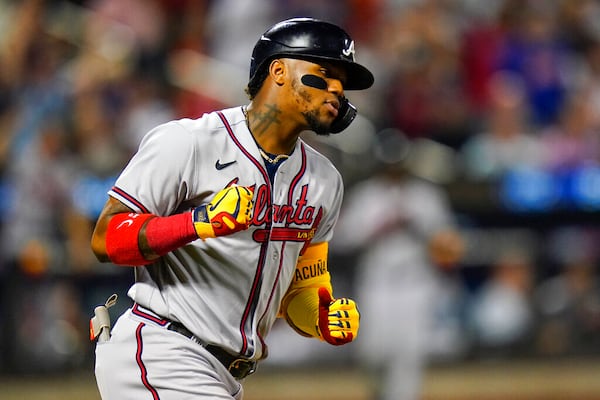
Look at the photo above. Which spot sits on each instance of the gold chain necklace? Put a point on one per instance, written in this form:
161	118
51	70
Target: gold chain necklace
272	160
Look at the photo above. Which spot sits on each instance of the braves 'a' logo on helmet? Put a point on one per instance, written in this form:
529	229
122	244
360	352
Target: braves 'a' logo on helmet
349	51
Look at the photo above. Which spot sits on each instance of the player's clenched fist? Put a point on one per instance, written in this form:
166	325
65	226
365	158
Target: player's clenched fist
338	319
229	212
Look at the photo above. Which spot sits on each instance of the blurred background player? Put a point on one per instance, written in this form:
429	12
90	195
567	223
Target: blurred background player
406	243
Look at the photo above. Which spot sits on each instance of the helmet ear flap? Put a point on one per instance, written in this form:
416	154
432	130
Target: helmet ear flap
346	114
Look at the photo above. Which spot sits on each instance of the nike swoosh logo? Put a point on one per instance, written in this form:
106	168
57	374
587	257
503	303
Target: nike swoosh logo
127	222
220	166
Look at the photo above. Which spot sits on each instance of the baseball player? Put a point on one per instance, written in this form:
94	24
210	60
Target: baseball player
227	220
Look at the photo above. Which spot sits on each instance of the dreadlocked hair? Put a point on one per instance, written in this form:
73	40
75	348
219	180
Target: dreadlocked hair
256	82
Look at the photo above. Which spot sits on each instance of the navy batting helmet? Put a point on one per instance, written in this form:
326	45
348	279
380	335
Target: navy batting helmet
309	38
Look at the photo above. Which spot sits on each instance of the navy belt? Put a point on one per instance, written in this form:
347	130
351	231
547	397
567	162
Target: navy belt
237	366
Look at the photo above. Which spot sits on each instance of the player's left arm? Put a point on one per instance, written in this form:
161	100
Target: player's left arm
309	306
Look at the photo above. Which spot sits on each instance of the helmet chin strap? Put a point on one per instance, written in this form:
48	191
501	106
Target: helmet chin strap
347	111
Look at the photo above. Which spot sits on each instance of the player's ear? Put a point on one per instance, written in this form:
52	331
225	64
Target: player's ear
277	71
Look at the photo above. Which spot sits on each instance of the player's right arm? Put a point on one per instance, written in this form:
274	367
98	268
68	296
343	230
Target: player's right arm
111	208
124	237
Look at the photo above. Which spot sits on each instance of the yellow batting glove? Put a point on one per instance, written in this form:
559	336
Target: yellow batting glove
229	212
339	319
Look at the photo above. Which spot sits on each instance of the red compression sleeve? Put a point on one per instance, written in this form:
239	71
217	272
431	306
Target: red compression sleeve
122	238
165	234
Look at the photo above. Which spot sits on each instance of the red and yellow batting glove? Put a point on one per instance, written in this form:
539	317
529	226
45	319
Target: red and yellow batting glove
230	211
339	319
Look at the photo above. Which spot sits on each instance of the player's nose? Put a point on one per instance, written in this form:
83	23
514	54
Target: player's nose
335	86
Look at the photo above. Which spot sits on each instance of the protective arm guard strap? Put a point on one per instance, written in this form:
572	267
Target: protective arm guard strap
300	305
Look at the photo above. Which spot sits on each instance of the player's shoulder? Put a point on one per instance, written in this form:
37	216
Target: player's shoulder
194	129
312	154
319	161
213	120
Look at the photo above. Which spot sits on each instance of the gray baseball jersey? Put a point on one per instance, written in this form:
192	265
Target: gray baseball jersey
227	290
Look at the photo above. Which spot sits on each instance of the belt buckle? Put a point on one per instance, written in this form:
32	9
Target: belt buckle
241	368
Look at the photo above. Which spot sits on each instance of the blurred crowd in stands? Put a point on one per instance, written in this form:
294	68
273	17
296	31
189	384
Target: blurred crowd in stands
495	104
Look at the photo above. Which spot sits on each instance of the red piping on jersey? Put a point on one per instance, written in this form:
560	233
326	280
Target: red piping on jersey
262	341
137	311
317	220
243	150
297	177
315	225
130	198
140	363
284	231
256	283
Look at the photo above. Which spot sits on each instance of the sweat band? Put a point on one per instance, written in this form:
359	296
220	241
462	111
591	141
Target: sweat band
122	238
165	234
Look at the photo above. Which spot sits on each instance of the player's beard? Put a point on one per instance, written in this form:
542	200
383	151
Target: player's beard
312	117
315	124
